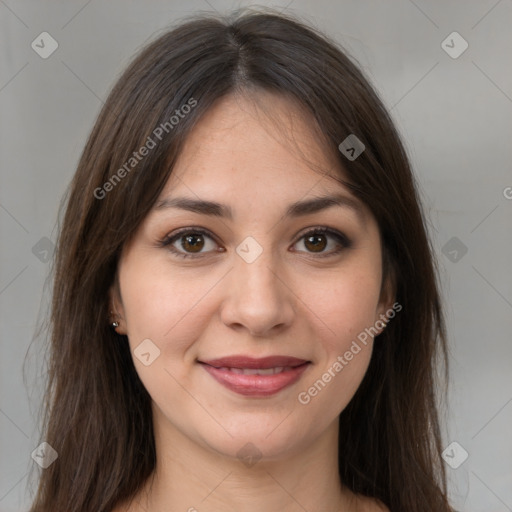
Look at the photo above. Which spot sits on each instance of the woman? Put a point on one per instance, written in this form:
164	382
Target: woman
245	310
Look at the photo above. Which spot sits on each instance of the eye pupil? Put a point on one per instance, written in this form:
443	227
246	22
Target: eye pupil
193	243
318	242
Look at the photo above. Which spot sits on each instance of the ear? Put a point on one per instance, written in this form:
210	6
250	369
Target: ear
386	301
116	310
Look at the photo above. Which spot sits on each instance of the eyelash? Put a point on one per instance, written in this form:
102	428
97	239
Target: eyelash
342	240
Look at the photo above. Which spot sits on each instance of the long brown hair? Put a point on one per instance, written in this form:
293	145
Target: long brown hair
97	412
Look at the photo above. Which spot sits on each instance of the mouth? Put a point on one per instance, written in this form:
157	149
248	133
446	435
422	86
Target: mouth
256	377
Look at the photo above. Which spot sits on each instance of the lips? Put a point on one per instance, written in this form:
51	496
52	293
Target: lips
244	362
258	377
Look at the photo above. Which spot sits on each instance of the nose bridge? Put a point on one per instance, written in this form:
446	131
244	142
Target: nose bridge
259	277
255	263
257	299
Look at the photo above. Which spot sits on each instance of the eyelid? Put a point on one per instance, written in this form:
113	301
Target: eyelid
328	231
169	239
340	237
188	229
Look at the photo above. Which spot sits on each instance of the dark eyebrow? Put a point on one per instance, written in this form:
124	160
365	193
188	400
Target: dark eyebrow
322	203
296	209
196	206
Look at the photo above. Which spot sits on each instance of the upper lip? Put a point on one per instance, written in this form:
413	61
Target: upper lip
239	361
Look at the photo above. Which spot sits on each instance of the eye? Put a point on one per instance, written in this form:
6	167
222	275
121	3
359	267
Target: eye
189	242
317	240
194	242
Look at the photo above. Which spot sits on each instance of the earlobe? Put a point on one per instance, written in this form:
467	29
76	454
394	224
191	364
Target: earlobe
116	313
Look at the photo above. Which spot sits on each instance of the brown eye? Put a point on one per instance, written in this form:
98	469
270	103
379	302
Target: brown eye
323	242
189	243
315	243
192	243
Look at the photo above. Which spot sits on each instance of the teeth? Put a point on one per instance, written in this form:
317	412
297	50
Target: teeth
258	371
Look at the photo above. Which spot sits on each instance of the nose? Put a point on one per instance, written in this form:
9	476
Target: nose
258	298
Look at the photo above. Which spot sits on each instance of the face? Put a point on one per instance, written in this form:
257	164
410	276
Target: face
246	317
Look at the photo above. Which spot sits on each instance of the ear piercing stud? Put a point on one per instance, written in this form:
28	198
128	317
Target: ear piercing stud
114	323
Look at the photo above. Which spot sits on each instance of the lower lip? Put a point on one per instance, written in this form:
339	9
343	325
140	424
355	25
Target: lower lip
256	385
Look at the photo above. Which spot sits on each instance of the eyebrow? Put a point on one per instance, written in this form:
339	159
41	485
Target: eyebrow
297	209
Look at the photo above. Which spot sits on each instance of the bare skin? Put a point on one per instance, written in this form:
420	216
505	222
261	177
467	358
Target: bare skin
301	297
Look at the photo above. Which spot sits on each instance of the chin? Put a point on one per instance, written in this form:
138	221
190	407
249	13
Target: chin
270	437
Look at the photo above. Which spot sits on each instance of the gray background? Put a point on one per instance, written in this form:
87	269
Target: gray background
455	116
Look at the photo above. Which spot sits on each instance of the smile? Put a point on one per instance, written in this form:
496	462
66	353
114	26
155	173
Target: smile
256	377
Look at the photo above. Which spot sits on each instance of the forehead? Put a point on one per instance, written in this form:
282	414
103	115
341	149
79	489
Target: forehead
246	138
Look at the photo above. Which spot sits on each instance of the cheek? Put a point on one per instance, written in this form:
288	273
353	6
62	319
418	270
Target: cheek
342	363
345	304
344	310
163	307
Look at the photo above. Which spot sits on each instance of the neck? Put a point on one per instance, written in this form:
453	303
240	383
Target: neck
190	477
